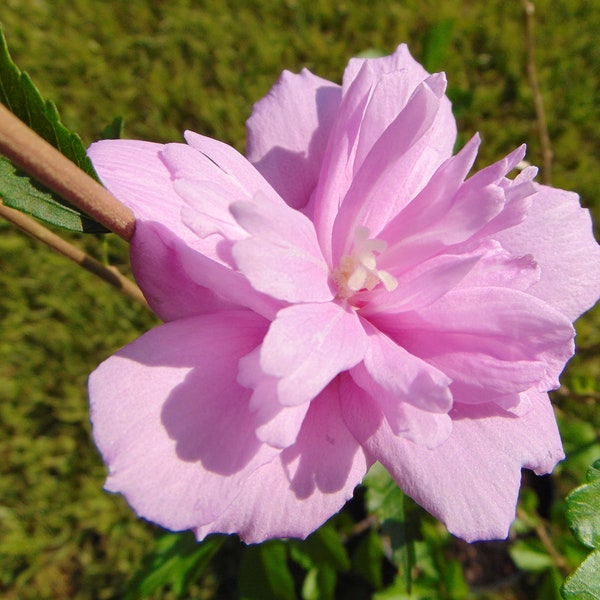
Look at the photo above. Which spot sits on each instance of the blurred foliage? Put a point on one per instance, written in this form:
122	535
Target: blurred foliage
165	66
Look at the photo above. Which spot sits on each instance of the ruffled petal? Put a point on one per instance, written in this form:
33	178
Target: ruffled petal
558	234
310	481
281	257
171	421
397	167
337	169
405	419
276	425
492	338
393	79
420	286
208	176
446	214
391	368
375	92
308	345
470	481
290	157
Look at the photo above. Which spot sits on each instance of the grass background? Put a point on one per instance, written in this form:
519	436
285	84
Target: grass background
166	66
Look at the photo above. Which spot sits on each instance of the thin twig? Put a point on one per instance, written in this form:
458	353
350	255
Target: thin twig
28	151
540	530
542	126
39	232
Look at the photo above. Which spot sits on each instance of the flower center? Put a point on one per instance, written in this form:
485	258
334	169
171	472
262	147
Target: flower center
359	270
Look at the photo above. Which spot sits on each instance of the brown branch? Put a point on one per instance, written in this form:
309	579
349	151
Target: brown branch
39	232
28	151
542	126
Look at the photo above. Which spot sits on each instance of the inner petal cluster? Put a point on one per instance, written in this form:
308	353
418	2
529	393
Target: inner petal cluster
358	271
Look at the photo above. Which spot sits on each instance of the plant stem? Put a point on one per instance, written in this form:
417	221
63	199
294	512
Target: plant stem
538	102
28	151
39	232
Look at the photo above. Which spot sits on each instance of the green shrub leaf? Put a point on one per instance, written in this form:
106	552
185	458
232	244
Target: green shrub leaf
264	573
18	190
176	561
583	515
392	508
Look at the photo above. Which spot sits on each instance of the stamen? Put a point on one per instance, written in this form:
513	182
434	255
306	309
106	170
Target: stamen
359	270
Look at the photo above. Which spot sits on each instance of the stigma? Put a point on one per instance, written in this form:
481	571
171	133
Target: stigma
358	271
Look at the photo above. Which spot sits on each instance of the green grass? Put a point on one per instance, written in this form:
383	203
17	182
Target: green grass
166	66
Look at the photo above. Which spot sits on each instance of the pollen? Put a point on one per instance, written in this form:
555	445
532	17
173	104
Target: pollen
358	271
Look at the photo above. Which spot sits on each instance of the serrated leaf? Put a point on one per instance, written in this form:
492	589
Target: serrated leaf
583	516
264	574
19	94
21	97
19	191
176	561
583	513
584	582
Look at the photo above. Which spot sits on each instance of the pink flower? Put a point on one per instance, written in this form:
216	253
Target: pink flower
346	295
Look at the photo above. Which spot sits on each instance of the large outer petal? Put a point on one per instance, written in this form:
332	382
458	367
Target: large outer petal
471	481
288	130
558	233
310	481
171	421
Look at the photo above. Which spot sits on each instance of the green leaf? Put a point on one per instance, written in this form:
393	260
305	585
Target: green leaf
530	555
397	516
367	559
18	190
114	130
551	584
322	548
176	561
454	578
21	97
319	584
583	514
264	573
584	583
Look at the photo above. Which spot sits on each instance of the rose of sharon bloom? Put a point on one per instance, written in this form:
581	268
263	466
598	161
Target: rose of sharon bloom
347	294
